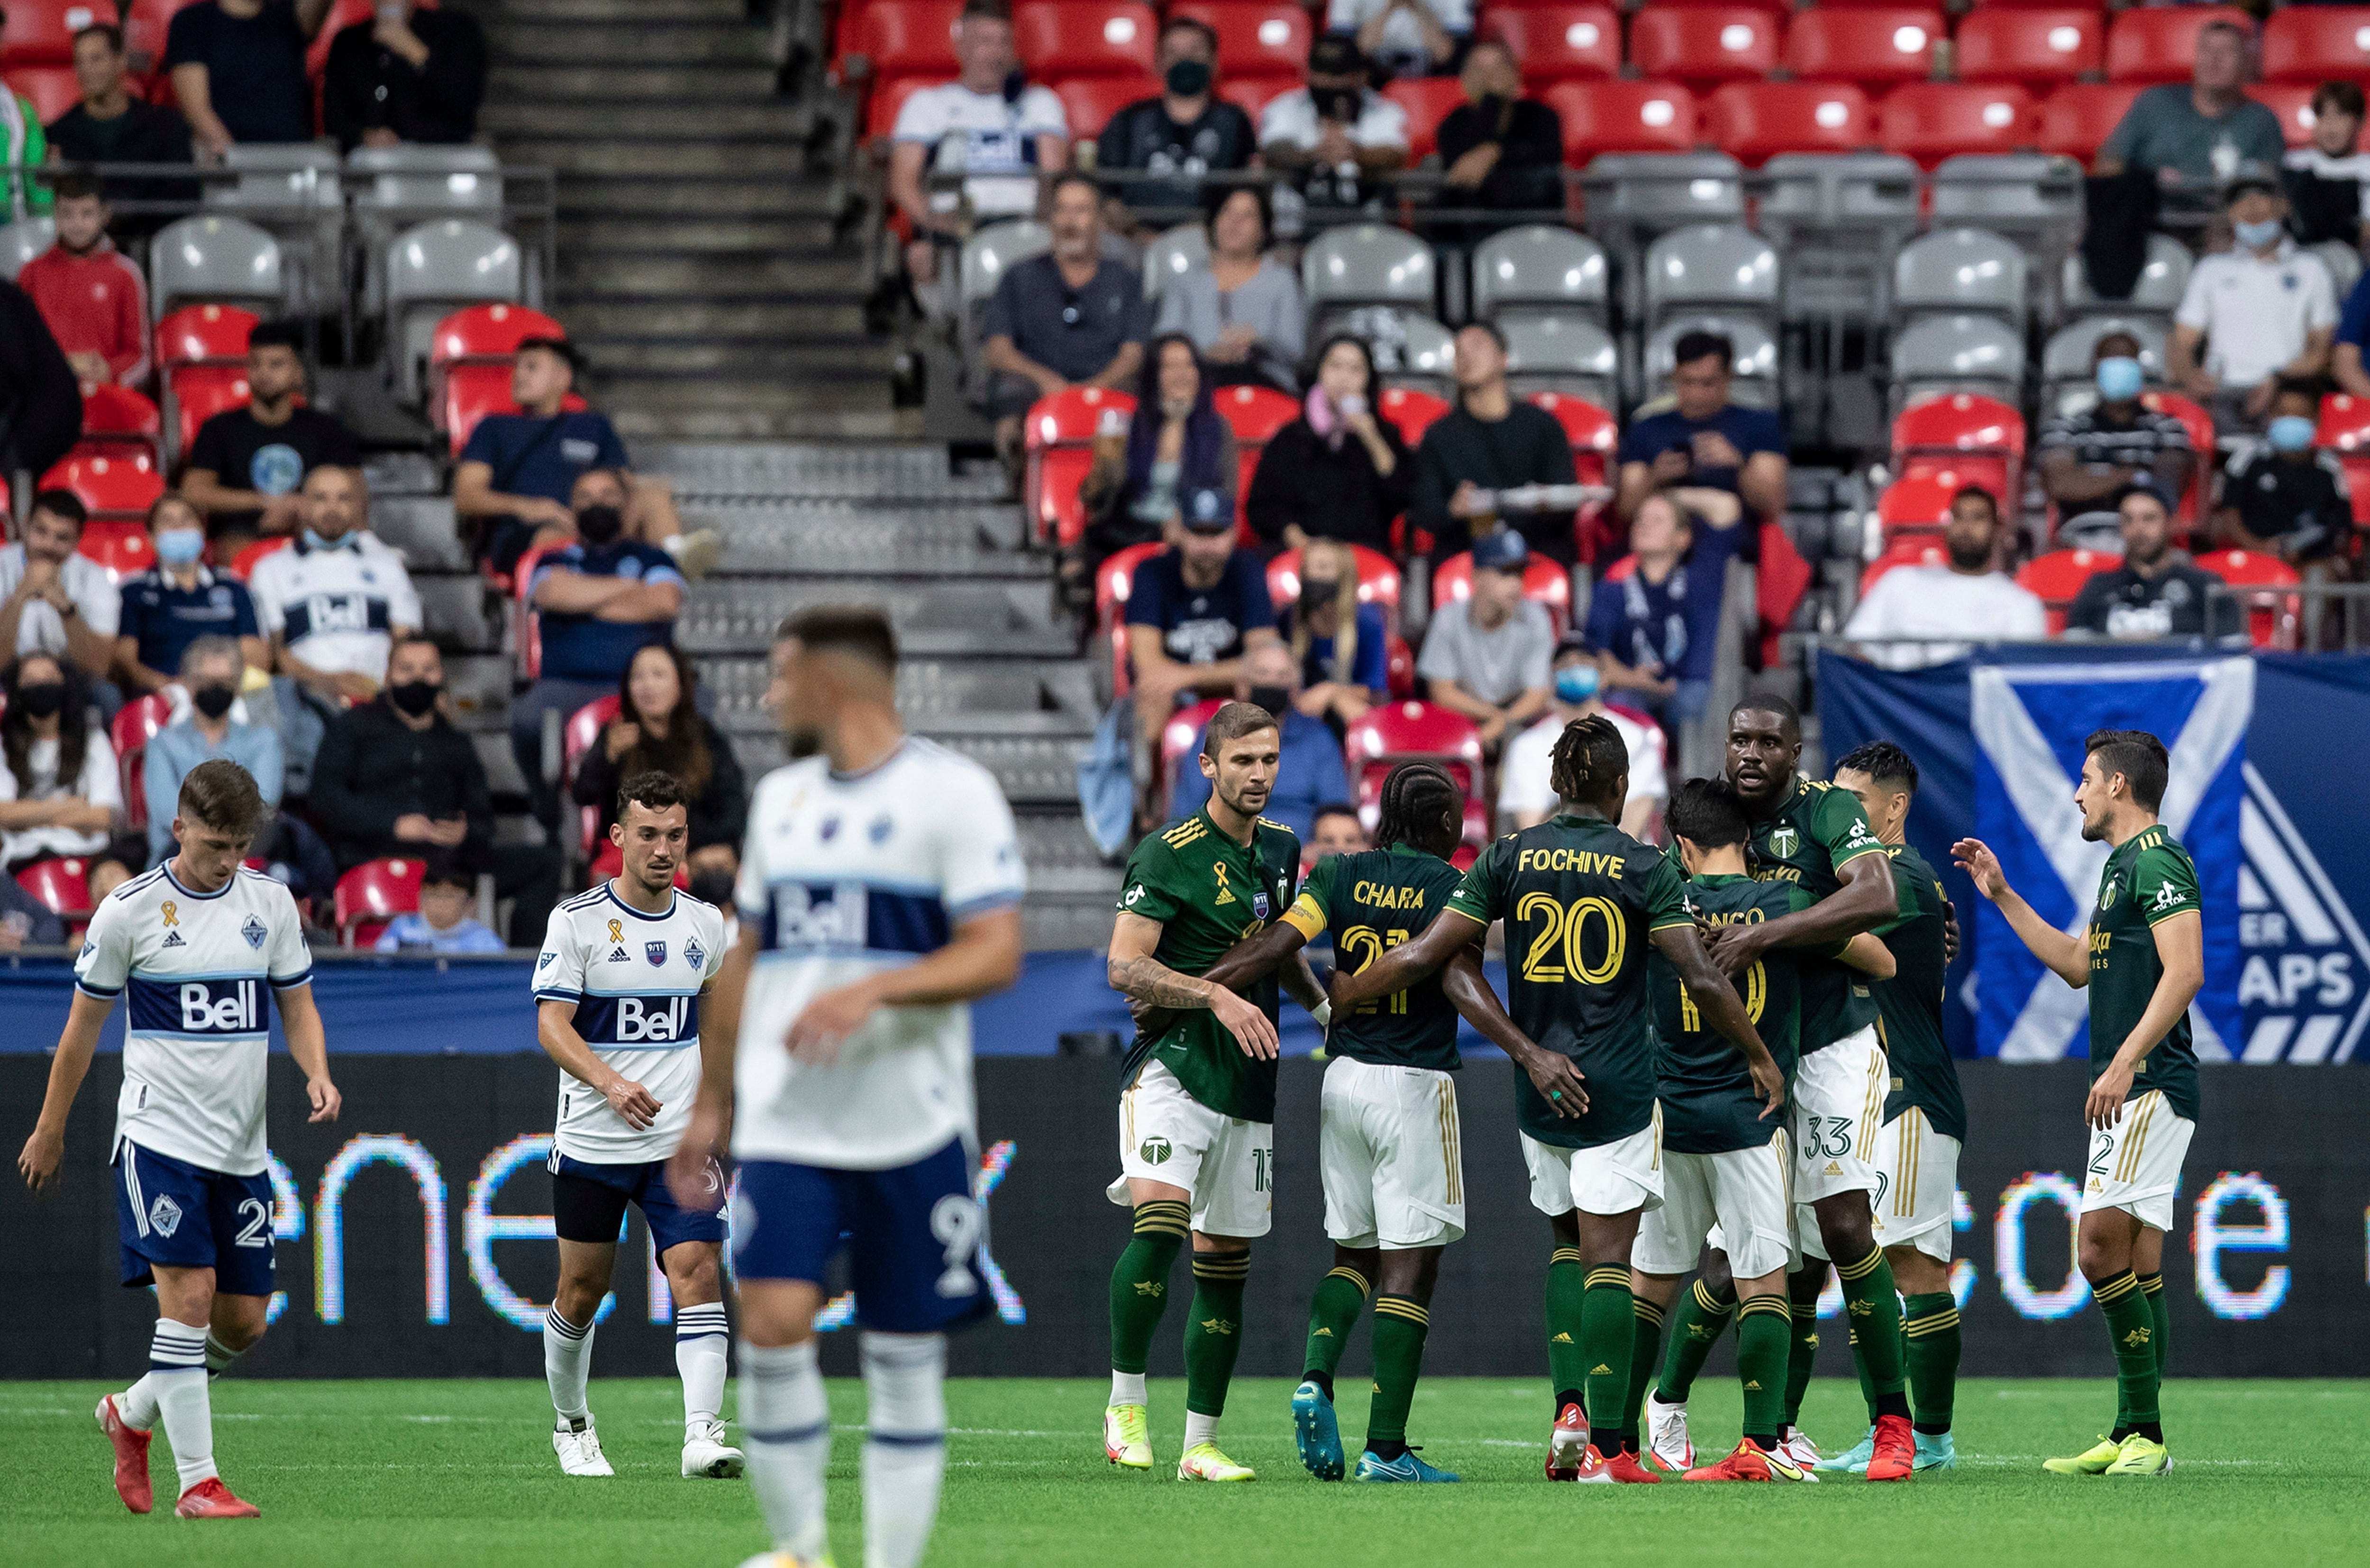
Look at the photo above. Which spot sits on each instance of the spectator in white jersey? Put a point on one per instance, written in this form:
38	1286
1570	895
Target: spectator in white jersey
848	1085
1526	793
195	943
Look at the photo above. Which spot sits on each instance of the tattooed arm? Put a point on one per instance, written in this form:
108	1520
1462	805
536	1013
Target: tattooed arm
1135	973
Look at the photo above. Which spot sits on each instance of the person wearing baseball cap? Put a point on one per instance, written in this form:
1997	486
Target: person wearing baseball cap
2157	591
1337	118
2259	312
1489	655
1193	611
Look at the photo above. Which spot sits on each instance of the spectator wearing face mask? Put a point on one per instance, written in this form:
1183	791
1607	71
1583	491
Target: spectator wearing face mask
2283	496
1309	770
1498	148
1337	472
443	923
2262	311
1526	796
60	793
1342	646
59	602
210	671
1186	133
2157	591
178	600
2091	454
1335	130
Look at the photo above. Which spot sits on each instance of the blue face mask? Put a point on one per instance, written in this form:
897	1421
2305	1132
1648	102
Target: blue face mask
2258	237
2290	432
1575	683
2120	379
314	541
179	546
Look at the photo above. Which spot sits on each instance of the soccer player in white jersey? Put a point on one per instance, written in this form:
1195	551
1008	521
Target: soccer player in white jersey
617	991
880	892
193	944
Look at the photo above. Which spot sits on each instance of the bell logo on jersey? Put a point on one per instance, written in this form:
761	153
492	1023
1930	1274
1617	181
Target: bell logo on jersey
813	915
236	1008
660	1019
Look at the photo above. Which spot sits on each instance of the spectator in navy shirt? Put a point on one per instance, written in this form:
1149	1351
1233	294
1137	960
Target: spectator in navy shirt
238	69
1309	772
178	600
600	599
1703	441
2354	340
1658	623
1192	612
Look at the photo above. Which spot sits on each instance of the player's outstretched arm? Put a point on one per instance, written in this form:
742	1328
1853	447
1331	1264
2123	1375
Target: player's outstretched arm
1137	975
308	1043
1864	901
1556	1077
2180	949
47	1146
2068	956
1247	962
711	1109
1724	1010
1450	933
555	1030
982	958
1869	955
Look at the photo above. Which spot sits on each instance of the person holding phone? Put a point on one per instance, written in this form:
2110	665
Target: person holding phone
1699	441
1338	472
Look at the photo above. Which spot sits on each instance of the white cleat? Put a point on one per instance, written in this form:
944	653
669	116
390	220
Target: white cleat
1667	1435
578	1448
706	1454
1798	1447
785	1560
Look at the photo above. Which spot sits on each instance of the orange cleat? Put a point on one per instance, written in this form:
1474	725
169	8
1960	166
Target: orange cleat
1896	1449
1567	1444
1752	1463
1626	1467
131	1457
209	1499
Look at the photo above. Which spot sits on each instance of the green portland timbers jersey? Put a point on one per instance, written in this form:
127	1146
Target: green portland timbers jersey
1909	1005
1812	835
1208	893
1709	1106
1372	902
2149	880
1580	898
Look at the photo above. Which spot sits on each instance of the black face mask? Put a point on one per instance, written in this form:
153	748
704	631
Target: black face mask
43	700
1338	103
600	525
713	888
214	701
1188	78
414	697
1276	700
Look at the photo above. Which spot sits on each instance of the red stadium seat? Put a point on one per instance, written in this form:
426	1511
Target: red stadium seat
1622	117
135	726
1059	435
2271	617
1933	121
1085	37
1391	733
1400	666
1915	551
2200	426
2317	43
41	32
487	332
580	735
882	104
1544	582
1178	737
908	38
53	88
1560	43
242	565
1378	580
1255	413
1869	45
196	335
1917	503
2077	121
116	419
2345	428
119	544
1593	433
1755	121
2292	102
371	895
1253	94
1412	412
1256	37
117	485
2032	49
1428	101
2058	576
1986	471
60	886
1113	582
528	625
1703	46
1960	422
2150	43
1088	102
198	393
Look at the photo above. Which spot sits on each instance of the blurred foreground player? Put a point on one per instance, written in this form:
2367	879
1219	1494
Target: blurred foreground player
880	893
194	945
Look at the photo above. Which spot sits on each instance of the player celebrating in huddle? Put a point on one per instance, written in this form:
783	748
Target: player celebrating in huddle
1581	902
193	943
617	992
1197	1135
2142	955
880	891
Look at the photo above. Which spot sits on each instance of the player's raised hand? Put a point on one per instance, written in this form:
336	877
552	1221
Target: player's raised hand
1245	1022
1982	868
816	1033
631	1101
1560	1082
39	1162
327	1101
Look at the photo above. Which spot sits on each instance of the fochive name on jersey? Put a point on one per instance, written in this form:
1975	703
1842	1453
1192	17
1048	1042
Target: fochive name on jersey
1371	903
634	980
2149	879
1816	832
193	969
1208	893
1708	1106
1909	1005
1580	899
844	875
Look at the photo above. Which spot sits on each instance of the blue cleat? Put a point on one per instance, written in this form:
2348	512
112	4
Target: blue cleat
1407	1467
1936	1451
1316	1434
1854	1462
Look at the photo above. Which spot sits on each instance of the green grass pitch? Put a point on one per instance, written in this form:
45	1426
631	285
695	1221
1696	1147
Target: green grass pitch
449	1474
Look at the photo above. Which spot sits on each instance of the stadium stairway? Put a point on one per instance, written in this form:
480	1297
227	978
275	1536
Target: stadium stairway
702	264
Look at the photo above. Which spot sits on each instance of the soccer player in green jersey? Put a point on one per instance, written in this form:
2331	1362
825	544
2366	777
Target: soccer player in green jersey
2143	957
1197	1148
1582	903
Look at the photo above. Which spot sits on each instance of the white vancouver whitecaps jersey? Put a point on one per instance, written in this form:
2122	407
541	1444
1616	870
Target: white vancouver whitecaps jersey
842	877
636	980
193	968
338	607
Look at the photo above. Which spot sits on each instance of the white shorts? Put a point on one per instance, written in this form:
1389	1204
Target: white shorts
1228	1164
1742	1193
1838	1110
2135	1164
1389	1146
1918	1202
1612	1178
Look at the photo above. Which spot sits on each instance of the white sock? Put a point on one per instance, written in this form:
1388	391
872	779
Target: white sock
137	1405
905	1449
567	1362
1199	1429
177	1373
1127	1388
700	1334
786	1427
220	1358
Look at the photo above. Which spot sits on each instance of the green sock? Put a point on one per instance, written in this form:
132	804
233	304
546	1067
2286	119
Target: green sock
1608	1325
1567	1283
1215	1334
1702	1318
2132	1326
1874	1309
1400	1322
1139	1283
1332	1314
1765	1337
1645	1355
1929	1325
1801	1353
2151	1287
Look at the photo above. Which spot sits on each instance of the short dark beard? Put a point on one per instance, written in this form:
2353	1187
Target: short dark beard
1970	561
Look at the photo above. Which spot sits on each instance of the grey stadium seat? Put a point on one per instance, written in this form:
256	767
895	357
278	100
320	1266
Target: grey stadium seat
1636	194
1715	266
1562	353
1957	353
430	269
989	252
1365	264
293	191
1538	270
2019	193
1960	269
1754	365
223	260
2065	371
1410	349
1178	251
23	240
417	180
2344	263
2163	280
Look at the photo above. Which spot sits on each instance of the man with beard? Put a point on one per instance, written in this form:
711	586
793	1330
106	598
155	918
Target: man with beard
1969	596
2157	591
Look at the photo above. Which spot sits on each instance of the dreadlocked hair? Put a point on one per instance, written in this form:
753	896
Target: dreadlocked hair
1589	756
1416	795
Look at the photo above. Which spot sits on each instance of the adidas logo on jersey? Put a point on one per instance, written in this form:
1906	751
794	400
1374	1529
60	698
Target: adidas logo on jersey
173	939
617	955
1834	1169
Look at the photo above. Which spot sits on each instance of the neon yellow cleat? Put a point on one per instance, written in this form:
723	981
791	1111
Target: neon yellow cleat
2092	1460
1127	1442
2141	1456
1203	1462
